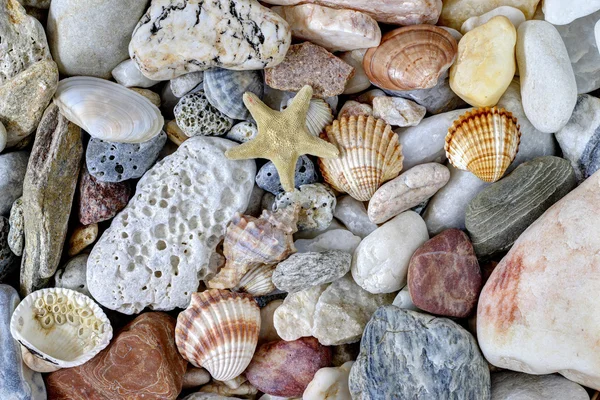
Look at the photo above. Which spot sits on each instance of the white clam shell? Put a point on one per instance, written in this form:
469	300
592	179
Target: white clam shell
319	115
257	281
61	326
107	110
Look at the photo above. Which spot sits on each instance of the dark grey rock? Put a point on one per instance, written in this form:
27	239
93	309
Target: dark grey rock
117	162
197	117
268	177
225	90
408	355
498	215
12	172
262	301
304	270
516	385
7	257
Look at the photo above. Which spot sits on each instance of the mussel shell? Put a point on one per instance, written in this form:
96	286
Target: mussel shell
225	89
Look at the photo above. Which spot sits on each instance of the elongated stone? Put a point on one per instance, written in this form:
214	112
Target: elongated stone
12	171
513	385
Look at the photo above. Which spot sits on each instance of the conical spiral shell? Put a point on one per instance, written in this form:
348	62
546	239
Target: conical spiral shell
219	332
370	155
484	141
257	281
411	57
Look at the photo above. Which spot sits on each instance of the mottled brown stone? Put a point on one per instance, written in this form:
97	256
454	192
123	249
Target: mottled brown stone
100	201
444	276
142	362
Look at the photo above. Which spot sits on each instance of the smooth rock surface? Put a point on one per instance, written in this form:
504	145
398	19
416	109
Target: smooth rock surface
184	84
558	12
100	201
268	332
500	213
408	190
515	16
302	271
73	275
241	36
380	263
360	81
81	237
3	137
548	86
16	235
128	74
329	384
267	177
398	111
242	132
353	214
317	203
456	12
12	172
427	354
403	300
336	239
508	385
7	257
162	241
534	311
295	317
197	117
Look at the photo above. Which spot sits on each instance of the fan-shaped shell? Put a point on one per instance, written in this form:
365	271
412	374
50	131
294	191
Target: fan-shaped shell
319	116
225	90
219	332
411	57
484	141
370	155
257	281
63	327
107	110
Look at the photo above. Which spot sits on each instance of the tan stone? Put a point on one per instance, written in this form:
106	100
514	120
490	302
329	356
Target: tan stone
149	94
175	134
82	237
456	12
354	108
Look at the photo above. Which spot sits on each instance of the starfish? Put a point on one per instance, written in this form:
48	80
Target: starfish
282	136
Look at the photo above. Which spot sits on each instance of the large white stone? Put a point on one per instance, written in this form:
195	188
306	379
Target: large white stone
329	384
295	317
380	263
562	12
353	214
158	248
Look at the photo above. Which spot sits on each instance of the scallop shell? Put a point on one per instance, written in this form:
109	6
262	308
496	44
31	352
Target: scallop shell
370	155
484	141
257	281
411	57
225	90
60	326
107	110
319	116
219	332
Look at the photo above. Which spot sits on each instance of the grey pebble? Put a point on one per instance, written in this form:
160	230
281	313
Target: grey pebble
12	174
268	177
16	235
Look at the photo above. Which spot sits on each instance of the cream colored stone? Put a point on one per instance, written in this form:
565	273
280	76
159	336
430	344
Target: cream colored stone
329	384
268	333
398	111
515	16
354	108
485	64
149	94
294	318
81	238
456	12
359	81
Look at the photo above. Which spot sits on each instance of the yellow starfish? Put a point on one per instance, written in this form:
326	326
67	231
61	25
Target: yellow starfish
282	136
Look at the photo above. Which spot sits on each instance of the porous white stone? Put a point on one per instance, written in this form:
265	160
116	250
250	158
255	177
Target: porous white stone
515	16
317	203
294	318
184	84
329	384
398	111
336	239
158	248
561	12
73	275
128	74
353	214
359	81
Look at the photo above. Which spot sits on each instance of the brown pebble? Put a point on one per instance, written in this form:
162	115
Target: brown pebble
82	237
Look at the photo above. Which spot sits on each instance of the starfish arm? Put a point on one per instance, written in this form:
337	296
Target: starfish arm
258	109
244	151
301	101
319	147
286	168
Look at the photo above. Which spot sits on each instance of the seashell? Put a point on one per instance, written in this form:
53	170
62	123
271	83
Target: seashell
370	155
250	242
411	57
257	281
60	326
225	90
484	141
107	110
319	115
219	332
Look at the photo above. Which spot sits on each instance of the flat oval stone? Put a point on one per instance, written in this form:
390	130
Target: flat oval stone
267	177
498	215
515	16
456	12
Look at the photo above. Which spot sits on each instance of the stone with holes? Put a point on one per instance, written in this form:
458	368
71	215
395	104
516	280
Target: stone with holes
268	177
197	117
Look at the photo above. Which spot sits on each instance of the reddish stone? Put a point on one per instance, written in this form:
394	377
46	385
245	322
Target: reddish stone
100	201
444	276
285	369
142	362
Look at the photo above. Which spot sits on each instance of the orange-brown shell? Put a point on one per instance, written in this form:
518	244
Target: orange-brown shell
219	332
370	155
411	57
484	141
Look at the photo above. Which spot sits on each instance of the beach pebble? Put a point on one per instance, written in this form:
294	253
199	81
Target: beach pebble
317	203
73	275
184	84
7	257
12	172
304	270
403	300
224	89
514	385
336	239
271	371
153	97
242	132
406	191
548	86
197	117
353	214
295	317
82	237
456	12
118	162
234	387
100	201
380	263
500	213
558	12
331	28
329	384
444	276
3	137
267	177
354	108
195	377
255	203
268	332
309	64
128	74
16	235
360	81
427	354
398	111
344	353
515	16
208	396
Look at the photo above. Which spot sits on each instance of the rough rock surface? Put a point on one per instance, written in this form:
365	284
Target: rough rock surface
317	204
509	385
48	192
12	171
304	270
267	177
335	239
398	111
141	362
197	117
498	215
295	317
7	257
100	201
16	235
242	36
329	384
159	246
242	132
427	354
534	311
354	108
73	275
353	214
456	12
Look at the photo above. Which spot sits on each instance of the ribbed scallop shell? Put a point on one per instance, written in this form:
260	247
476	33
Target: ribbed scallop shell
370	155
107	110
484	141
319	116
61	326
411	57
257	281
225	90
219	332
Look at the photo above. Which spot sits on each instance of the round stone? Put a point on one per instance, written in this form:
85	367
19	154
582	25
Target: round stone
268	177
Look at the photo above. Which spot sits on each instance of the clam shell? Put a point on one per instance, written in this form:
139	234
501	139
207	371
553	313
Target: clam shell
225	90
319	116
60	326
219	332
412	57
257	281
484	141
107	110
370	155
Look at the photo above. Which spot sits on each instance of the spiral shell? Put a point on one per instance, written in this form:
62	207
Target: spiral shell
225	90
484	141
370	155
219	332
257	281
60	326
107	110
411	57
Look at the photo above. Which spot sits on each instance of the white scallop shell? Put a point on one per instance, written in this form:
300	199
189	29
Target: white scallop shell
107	110
319	115
257	281
61	326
